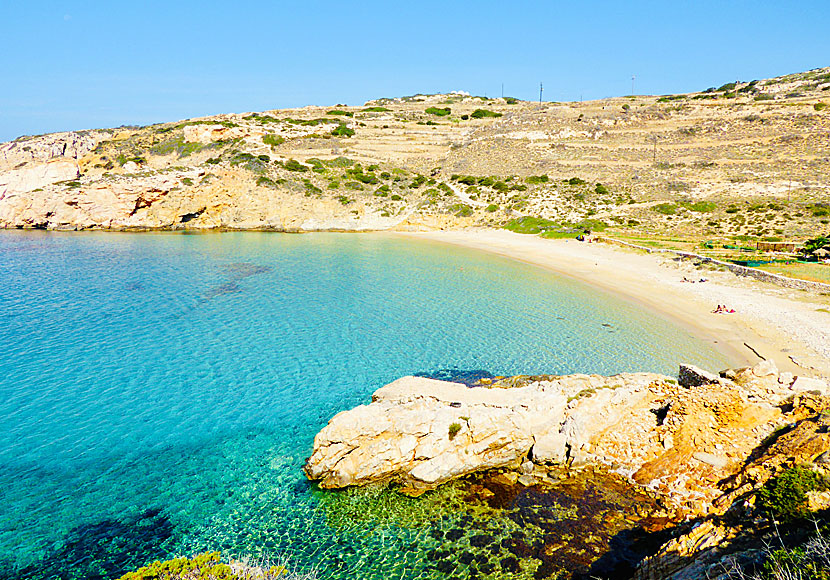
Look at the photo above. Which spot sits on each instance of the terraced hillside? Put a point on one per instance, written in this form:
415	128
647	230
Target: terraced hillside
748	160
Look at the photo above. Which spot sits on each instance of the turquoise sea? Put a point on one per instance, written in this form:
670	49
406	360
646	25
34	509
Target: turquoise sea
159	393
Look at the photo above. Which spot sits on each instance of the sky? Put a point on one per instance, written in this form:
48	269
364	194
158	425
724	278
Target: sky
81	65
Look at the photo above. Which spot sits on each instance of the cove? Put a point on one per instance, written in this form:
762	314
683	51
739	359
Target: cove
160	392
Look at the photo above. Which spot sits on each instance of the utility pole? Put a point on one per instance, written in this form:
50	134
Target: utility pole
632	84
502	90
540	93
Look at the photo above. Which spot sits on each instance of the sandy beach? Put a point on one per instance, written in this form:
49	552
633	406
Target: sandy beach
790	327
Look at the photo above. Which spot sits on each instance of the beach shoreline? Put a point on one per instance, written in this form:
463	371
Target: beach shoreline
769	322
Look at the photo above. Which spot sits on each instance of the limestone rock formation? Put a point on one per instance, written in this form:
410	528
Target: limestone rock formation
679	440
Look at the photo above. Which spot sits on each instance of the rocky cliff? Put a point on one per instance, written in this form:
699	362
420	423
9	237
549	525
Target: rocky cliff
702	445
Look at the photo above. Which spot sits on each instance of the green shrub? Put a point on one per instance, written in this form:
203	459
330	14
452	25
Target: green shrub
294	165
187	181
601	189
310	187
461	210
482	113
453	430
511	100
342	131
272	140
700	206
537	179
417	182
353	185
576	181
438	112
491	208
343	199
340	113
529	225
820	106
665	208
785	496
465	117
375	110
396	197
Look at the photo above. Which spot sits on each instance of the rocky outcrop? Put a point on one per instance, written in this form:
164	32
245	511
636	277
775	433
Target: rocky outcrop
679	440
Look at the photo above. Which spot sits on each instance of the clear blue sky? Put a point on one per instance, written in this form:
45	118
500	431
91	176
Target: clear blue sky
77	65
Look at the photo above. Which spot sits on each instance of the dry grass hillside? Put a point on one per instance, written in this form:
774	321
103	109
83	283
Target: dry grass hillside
744	162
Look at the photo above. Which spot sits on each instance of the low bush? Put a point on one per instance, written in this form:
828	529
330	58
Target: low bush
438	112
482	113
491	208
294	165
601	189
342	131
375	110
785	496
453	430
820	106
530	225
340	113
537	179
272	140
665	208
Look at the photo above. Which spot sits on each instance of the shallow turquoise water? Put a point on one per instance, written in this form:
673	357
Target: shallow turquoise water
160	392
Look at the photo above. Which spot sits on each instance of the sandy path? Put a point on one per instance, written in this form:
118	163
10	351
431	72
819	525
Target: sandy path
780	324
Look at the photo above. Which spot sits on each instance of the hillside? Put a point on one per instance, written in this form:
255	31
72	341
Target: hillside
723	162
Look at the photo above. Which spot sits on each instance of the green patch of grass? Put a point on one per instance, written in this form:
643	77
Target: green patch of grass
820	106
665	208
375	110
492	208
593	225
273	140
530	225
484	113
700	206
338	112
438	112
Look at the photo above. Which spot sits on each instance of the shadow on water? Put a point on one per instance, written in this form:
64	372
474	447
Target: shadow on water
455	375
236	272
103	550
